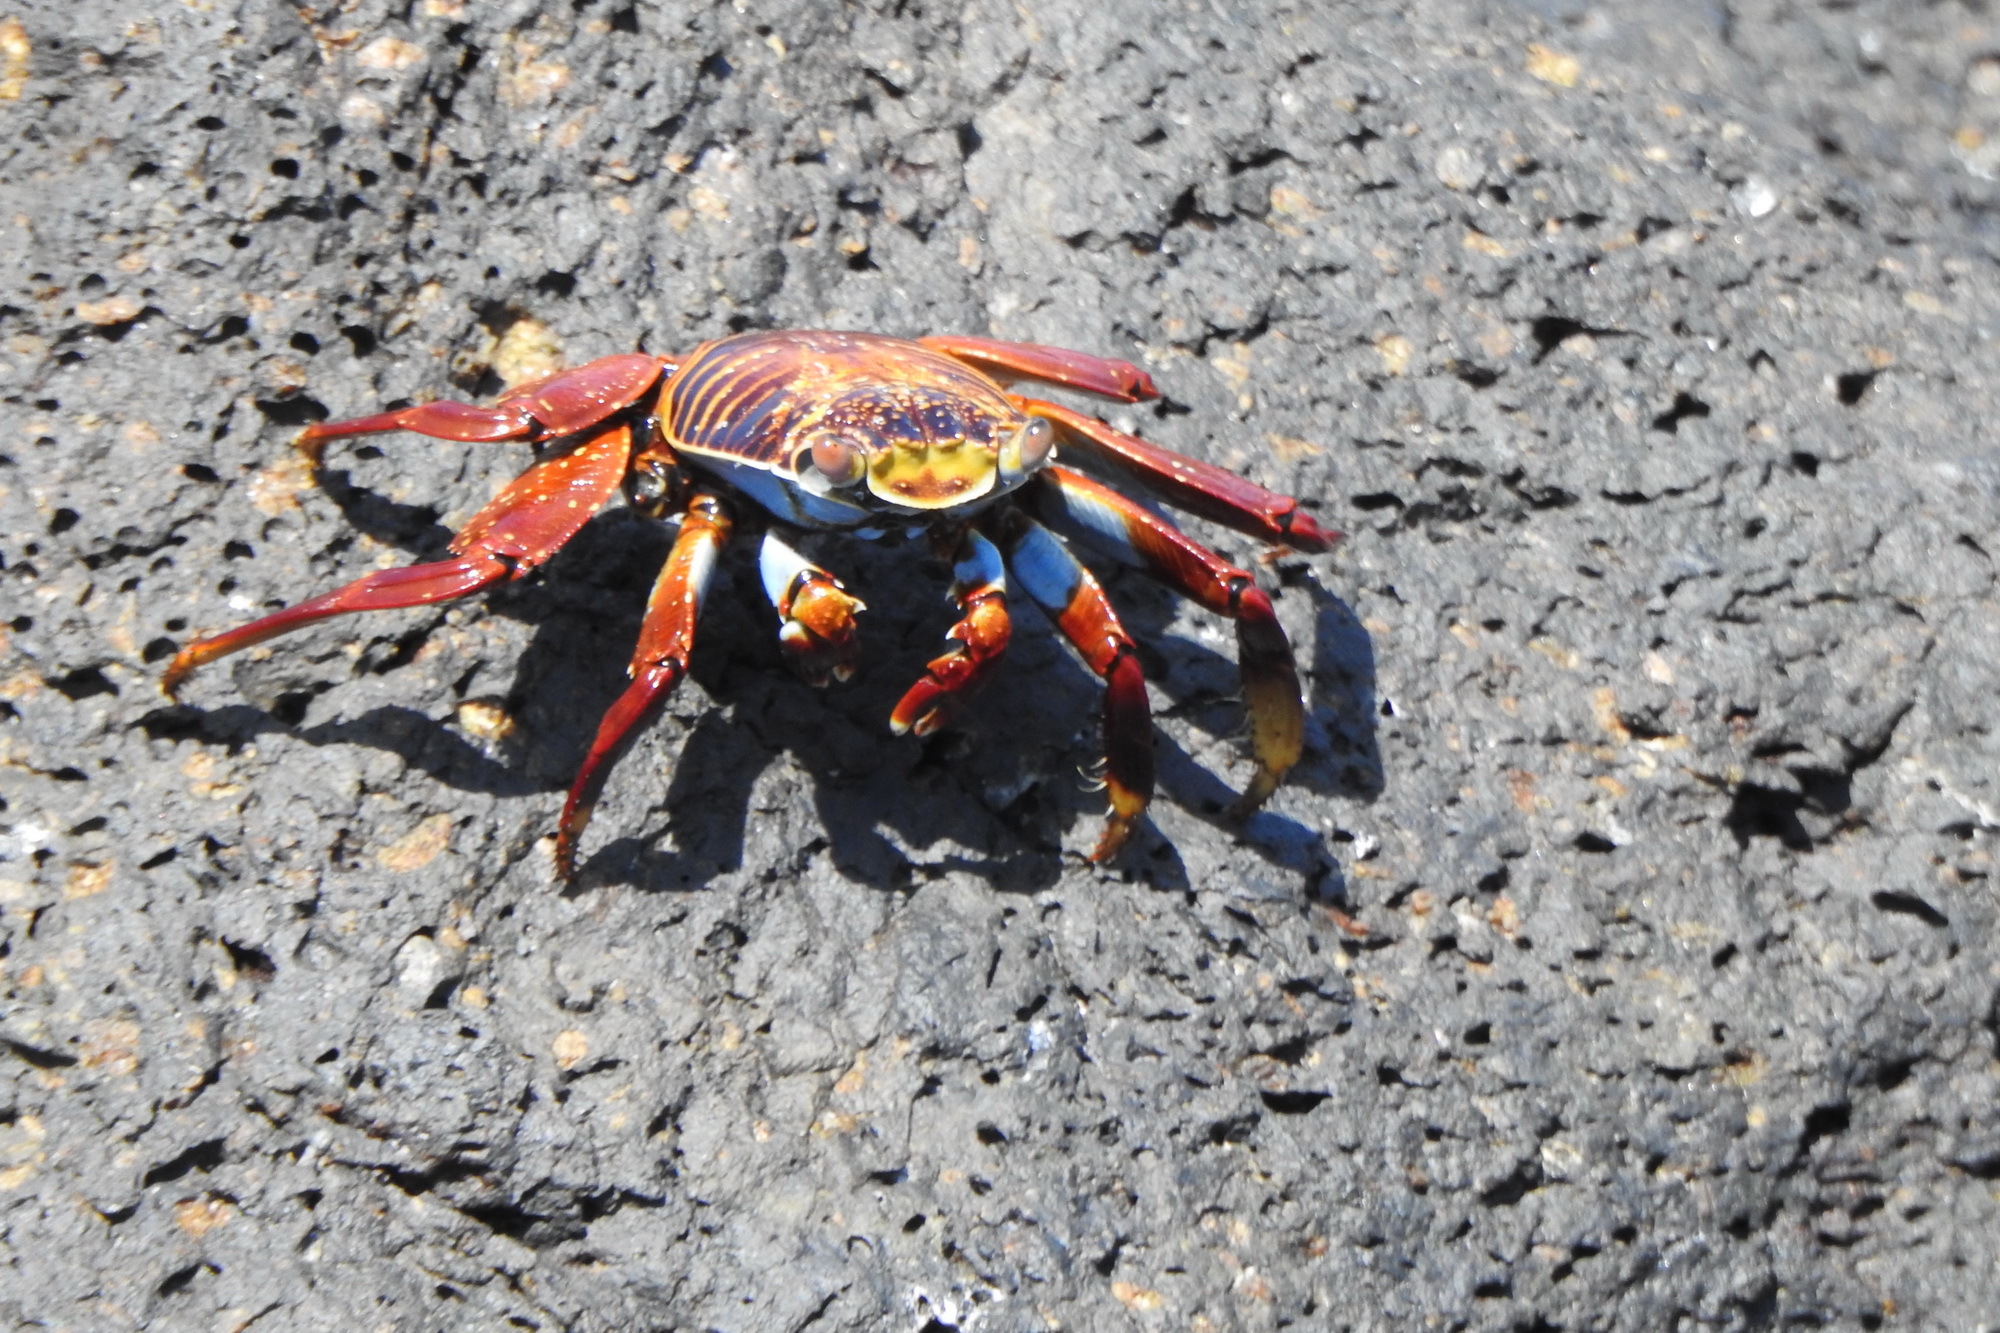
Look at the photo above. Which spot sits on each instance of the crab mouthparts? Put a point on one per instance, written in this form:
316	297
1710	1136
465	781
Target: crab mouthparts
932	476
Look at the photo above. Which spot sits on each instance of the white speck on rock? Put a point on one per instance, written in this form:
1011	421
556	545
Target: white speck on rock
1753	198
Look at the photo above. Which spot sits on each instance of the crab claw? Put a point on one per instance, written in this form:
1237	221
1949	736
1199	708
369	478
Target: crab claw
979	639
818	636
979	586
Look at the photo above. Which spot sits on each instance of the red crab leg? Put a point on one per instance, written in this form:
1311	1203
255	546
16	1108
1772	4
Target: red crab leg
1008	362
559	404
1075	601
1198	487
658	664
520	528
1092	510
816	614
979	586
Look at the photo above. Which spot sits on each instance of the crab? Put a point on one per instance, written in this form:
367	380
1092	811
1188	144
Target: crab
807	431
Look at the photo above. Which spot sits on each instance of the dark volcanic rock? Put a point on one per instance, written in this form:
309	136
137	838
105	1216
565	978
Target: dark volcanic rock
1620	957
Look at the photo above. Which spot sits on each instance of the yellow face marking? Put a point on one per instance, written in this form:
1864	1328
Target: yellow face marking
919	478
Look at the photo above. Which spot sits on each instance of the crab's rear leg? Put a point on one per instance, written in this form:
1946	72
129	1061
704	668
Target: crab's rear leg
1188	483
1073	599
1007	362
658	664
1073	502
560	404
519	529
979	586
816	626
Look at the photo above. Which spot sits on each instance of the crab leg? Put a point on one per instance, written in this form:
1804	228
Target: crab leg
816	614
1188	483
979	586
519	529
1058	581
559	404
1074	503
658	664
1008	362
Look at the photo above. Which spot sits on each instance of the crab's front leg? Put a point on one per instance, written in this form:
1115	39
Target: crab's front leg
519	529
816	614
1073	599
559	404
1188	483
665	642
1131	533
1007	362
979	586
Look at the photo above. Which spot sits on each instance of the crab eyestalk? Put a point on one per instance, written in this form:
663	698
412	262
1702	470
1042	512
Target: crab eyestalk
838	459
1026	451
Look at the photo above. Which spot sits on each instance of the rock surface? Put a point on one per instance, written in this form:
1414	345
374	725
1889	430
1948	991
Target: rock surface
1622	956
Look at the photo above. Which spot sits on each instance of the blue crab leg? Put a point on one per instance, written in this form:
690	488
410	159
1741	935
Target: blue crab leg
519	529
1073	503
979	586
1073	598
1187	483
658	664
815	612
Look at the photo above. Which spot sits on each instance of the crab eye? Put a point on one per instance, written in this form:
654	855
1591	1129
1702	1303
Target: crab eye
1037	438
838	460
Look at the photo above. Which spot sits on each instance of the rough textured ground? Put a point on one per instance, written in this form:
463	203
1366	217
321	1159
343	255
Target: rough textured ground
1621	957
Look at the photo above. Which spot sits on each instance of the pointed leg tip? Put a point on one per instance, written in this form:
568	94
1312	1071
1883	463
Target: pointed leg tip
1303	533
1257	793
563	854
1117	831
176	675
568	838
920	711
1253	797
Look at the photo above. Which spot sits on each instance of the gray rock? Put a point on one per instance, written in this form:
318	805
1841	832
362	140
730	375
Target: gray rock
1620	956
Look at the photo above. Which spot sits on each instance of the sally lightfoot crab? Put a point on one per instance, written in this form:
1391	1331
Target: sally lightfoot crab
857	433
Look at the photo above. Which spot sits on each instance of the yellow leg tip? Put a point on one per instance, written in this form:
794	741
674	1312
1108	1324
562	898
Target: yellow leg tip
1117	828
1259	791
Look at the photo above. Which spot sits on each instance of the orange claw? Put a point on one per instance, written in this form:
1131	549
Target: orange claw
816	615
979	586
819	633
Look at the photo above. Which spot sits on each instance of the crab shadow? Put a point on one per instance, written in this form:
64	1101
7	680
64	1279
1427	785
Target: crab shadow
411	528
1000	786
745	762
992	794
